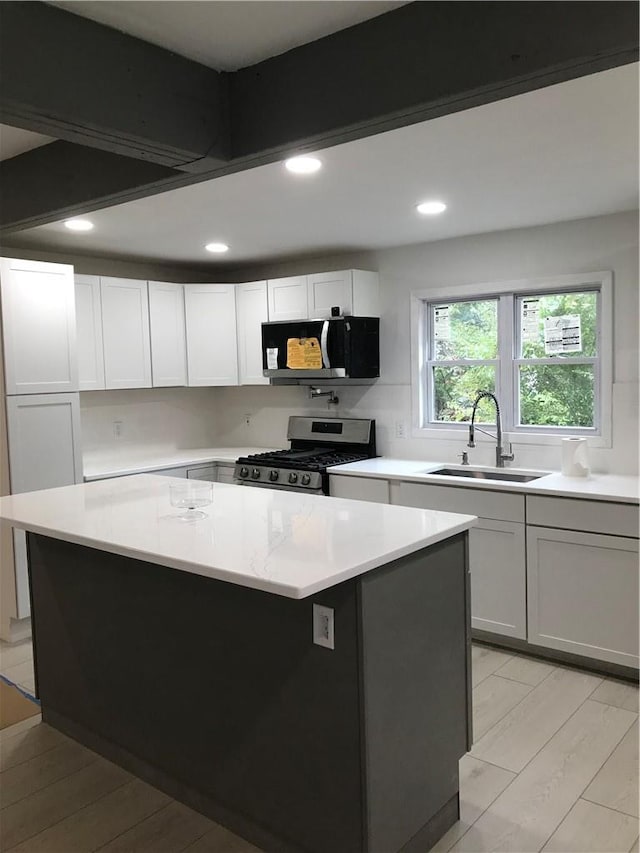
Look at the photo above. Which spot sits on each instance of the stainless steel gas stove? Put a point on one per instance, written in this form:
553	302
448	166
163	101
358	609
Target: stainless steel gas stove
316	445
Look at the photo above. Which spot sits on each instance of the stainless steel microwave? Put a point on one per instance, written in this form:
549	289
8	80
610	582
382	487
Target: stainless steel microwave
341	347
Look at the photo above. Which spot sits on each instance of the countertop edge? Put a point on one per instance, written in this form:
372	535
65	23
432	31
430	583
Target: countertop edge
272	587
536	487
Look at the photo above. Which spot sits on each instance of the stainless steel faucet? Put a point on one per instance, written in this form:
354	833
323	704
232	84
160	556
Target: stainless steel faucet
501	457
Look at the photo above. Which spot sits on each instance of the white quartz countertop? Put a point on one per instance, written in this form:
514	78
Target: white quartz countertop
281	542
617	488
97	465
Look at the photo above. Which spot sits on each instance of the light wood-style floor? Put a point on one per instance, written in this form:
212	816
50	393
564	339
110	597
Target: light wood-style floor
554	767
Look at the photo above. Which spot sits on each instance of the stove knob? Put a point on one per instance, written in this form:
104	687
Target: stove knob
256	473
244	471
293	477
273	475
306	479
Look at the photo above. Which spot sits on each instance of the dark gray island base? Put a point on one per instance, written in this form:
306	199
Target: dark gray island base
216	694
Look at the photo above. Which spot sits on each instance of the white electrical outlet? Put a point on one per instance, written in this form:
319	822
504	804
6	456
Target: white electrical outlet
247	419
118	429
401	429
323	629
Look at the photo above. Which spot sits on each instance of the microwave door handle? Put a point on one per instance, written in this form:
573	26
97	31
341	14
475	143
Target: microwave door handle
324	336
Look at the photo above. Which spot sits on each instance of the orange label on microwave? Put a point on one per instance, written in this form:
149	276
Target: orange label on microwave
304	354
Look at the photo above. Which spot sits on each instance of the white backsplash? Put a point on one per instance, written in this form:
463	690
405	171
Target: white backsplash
268	408
151	419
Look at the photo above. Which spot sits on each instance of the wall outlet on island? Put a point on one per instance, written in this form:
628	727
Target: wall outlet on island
118	429
323	626
247	419
401	429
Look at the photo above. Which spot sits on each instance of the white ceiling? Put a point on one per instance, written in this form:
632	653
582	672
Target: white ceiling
14	141
565	152
228	35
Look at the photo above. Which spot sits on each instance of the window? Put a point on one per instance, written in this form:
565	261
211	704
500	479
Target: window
538	345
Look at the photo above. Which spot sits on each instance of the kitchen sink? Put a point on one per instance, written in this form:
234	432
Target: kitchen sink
509	476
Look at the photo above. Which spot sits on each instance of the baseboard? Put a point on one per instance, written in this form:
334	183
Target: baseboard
599	667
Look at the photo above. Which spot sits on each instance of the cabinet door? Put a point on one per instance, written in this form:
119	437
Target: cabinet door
496	550
329	289
359	488
252	307
212	348
225	473
167	331
39	326
89	333
498	578
583	593
125	331
288	298
36	426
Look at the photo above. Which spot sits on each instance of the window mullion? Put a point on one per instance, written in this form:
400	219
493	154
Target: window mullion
504	375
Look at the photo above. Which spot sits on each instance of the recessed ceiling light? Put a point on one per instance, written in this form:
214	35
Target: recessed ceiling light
78	224
217	248
303	165
428	208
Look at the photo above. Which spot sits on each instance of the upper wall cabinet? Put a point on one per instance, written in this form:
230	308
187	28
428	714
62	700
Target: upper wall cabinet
252	311
352	291
38	313
288	298
89	333
125	332
212	347
168	339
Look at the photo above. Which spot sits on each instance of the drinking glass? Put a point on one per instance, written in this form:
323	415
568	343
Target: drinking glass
189	495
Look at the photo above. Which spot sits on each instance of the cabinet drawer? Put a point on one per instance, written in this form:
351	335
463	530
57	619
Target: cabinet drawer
592	516
359	488
471	501
203	472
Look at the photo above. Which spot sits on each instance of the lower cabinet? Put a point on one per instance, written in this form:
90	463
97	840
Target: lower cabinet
583	593
496	550
561	581
44	452
498	578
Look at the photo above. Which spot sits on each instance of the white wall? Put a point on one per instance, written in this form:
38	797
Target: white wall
154	420
601	243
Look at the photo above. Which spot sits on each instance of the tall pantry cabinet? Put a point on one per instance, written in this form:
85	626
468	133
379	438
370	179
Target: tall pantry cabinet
41	405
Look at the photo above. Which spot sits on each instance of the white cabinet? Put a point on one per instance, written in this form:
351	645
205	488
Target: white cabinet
44	452
498	577
38	318
496	550
583	593
353	291
288	298
212	351
359	488
89	333
167	330
225	473
125	331
203	472
252	311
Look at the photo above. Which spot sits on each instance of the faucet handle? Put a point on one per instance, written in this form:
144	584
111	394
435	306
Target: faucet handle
465	457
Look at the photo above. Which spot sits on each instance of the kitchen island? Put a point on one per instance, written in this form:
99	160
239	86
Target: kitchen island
185	652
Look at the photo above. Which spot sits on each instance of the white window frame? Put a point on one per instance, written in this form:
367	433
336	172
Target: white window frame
506	374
